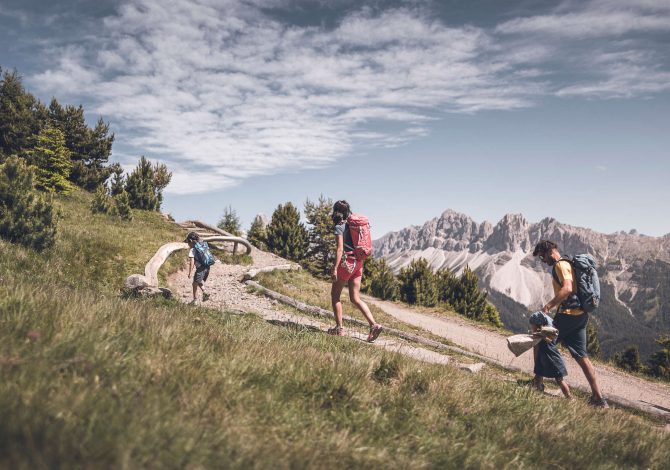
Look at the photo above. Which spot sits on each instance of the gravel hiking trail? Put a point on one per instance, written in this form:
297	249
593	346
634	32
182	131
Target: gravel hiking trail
493	345
228	293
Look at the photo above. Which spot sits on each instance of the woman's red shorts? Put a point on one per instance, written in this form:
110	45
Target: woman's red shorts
350	268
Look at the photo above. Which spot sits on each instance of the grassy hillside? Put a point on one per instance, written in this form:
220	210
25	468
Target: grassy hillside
90	379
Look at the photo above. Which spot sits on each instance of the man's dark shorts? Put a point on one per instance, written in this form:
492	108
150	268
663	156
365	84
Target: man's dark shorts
201	275
572	332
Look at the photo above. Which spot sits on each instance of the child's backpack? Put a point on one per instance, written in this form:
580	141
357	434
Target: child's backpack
359	230
202	254
586	277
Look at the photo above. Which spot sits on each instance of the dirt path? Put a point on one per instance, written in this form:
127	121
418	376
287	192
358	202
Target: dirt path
494	346
227	292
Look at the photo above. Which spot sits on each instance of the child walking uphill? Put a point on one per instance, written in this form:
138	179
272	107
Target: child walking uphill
348	269
201	268
548	360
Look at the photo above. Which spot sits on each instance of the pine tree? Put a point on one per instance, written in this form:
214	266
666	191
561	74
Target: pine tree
230	222
52	161
26	217
468	300
20	116
417	284
101	203
370	272
463	295
118	180
592	342
446	282
629	359
90	149
659	362
321	250
257	233
122	206
286	235
384	284
145	185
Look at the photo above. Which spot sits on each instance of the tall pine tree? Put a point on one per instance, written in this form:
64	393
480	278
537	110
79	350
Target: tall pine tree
21	116
286	235
145	185
321	238
417	284
383	284
230	222
52	161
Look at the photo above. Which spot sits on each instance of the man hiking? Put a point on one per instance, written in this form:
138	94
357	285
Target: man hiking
570	318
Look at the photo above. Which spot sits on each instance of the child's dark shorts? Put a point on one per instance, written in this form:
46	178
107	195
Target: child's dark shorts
572	332
549	362
201	275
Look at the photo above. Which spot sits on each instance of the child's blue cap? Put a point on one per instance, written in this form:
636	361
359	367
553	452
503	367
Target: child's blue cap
540	319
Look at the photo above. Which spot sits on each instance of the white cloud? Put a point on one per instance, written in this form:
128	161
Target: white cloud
596	19
222	92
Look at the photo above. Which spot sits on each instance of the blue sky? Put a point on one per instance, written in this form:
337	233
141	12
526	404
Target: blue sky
405	109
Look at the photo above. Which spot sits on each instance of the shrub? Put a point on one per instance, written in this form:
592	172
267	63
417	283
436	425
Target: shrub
101	203
26	217
629	359
122	206
659	363
257	234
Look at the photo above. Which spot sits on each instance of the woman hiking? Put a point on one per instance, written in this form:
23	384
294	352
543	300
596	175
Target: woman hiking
348	270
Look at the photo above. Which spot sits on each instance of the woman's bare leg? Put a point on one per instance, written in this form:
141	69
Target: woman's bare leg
355	297
335	293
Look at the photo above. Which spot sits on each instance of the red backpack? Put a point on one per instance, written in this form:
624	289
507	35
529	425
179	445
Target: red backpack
359	229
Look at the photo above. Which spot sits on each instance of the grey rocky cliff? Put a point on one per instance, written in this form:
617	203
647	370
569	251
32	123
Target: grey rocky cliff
634	268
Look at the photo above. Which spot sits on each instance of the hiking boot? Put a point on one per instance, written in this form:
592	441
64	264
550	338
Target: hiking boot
598	403
375	331
531	383
336	331
194	302
205	296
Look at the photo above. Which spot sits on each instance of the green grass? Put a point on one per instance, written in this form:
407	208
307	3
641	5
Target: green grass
90	379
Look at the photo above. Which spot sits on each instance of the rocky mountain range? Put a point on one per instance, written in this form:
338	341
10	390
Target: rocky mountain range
634	269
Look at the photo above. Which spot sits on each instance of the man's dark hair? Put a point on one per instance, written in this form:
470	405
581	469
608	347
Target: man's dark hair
544	247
